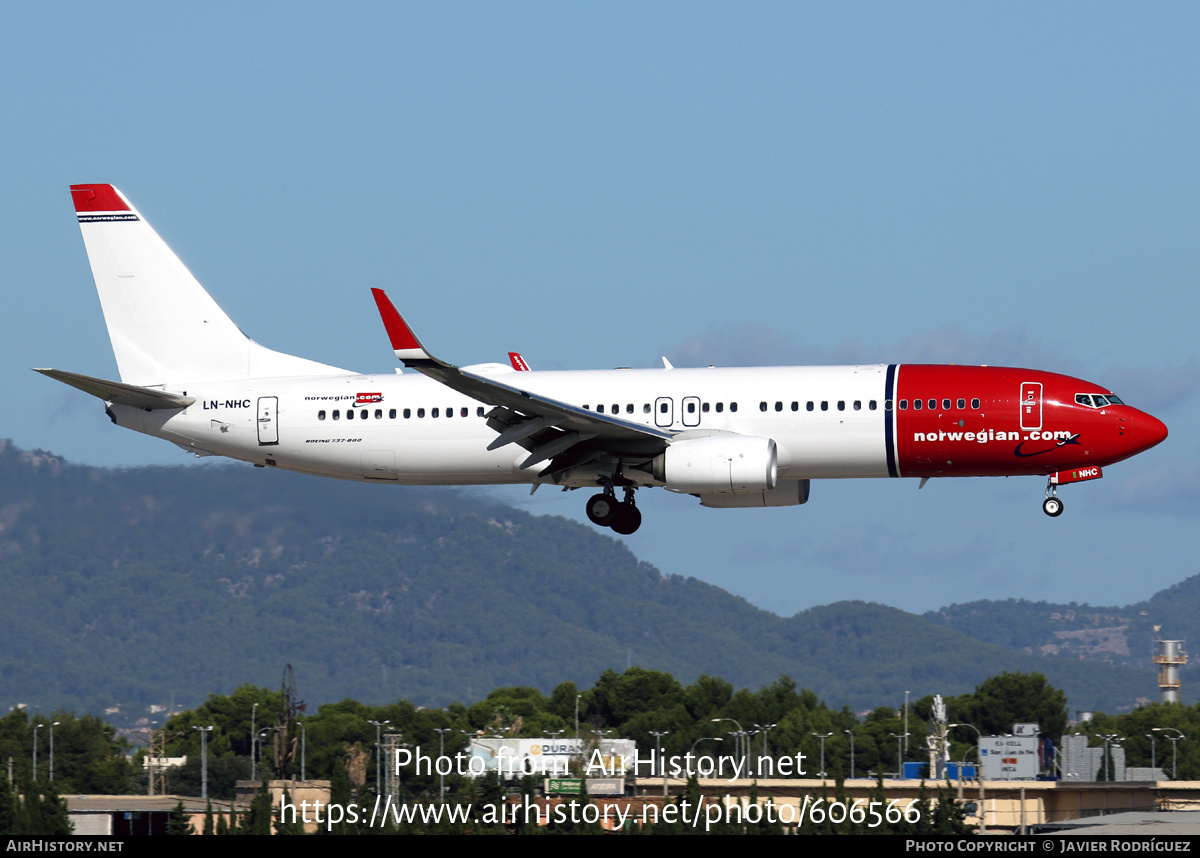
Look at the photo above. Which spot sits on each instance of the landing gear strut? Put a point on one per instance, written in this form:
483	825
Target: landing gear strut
606	511
1052	506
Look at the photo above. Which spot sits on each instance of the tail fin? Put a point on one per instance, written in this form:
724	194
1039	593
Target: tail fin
164	327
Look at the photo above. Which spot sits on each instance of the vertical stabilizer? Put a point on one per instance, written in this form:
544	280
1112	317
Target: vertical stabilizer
164	327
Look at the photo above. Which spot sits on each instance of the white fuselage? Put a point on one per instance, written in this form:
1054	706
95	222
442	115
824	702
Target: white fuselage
407	428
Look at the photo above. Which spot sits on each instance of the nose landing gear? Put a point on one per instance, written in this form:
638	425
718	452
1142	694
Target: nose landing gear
605	510
1052	506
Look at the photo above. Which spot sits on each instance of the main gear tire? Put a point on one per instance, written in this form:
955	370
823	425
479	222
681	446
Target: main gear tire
602	509
628	520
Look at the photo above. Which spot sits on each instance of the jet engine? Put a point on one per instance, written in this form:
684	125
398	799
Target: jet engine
719	463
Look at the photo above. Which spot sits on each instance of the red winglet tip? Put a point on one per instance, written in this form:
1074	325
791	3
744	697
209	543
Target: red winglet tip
98	198
398	332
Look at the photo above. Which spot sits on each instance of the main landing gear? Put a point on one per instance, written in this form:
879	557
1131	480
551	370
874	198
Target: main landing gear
1052	506
606	511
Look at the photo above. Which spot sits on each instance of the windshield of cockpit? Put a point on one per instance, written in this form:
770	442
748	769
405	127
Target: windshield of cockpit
1097	400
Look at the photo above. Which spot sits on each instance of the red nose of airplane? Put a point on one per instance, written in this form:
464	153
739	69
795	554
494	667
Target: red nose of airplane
1144	431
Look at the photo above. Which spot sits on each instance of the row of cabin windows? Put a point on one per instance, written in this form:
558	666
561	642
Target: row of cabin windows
872	405
663	408
365	413
959	404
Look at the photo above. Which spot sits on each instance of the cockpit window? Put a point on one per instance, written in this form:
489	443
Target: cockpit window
1097	400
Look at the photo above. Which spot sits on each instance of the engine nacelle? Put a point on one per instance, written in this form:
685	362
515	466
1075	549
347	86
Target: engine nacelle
786	493
721	463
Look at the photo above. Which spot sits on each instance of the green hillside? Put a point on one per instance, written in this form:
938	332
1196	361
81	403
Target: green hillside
155	585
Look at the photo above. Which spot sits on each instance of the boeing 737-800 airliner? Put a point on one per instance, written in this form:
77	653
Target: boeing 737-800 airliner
740	437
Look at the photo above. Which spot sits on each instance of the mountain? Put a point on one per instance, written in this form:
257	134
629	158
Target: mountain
1119	636
135	586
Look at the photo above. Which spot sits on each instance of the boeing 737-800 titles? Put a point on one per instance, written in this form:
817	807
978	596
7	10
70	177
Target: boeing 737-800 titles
740	437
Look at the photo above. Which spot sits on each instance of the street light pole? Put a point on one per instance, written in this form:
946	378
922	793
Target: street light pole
442	731
1174	747
822	737
36	727
850	733
661	762
737	735
53	724
253	741
203	731
899	737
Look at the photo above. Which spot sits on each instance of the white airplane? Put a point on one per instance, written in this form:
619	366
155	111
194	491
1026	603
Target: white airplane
742	437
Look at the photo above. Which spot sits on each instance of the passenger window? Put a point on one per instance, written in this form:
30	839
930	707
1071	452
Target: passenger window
449	412
320	415
391	414
903	404
824	405
720	407
918	405
479	411
962	403
691	408
629	408
704	407
933	405
464	413
872	405
435	412
795	405
616	409
364	414
349	414
733	406
975	404
841	405
945	404
762	406
778	406
887	404
599	409
808	406
858	405
337	414
421	412
645	407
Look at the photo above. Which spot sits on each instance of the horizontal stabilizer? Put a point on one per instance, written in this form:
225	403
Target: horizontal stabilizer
118	393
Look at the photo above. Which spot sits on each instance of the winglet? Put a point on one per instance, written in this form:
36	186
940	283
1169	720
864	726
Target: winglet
518	362
404	342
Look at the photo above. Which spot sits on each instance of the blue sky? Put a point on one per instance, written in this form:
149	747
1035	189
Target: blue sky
596	185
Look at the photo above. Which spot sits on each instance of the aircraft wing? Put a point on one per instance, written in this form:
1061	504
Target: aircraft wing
548	428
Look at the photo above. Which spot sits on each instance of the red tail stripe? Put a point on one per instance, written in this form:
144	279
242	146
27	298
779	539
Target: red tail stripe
98	198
